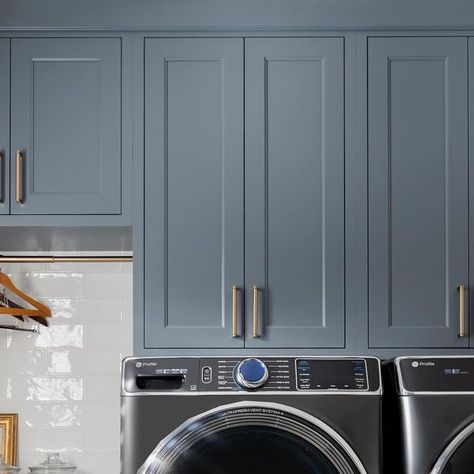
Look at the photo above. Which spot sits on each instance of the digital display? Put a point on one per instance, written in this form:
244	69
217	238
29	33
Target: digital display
331	374
449	374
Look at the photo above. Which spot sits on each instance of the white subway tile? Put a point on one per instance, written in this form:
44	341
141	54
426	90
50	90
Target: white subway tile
22	362
3	387
31	413
13	268
86	311
127	310
84	362
86	267
3	340
102	286
21	341
89	463
109	338
65	439
101	438
101	388
65	381
61	335
50	285
45	388
63	414
105	413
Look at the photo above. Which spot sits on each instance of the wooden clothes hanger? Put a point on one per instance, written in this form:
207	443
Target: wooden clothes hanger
39	311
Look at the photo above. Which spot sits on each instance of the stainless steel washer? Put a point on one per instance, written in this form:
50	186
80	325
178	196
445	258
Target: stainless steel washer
429	410
273	415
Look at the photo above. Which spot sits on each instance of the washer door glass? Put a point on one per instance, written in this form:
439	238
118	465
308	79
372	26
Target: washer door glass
260	438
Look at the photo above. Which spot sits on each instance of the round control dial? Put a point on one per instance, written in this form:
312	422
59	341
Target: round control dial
251	373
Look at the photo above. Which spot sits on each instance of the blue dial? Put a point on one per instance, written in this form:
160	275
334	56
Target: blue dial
251	373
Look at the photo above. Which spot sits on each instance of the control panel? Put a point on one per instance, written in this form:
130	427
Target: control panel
436	374
237	374
276	374
329	374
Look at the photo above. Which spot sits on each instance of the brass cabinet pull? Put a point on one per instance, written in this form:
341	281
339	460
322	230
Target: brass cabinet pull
2	177
235	332
255	312
19	177
462	311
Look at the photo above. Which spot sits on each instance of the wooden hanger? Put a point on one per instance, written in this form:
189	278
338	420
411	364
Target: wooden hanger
11	304
39	311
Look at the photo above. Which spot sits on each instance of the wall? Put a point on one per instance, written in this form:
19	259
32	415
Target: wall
218	14
64	382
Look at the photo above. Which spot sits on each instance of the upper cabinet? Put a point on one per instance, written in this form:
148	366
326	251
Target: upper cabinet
294	192
194	192
196	293
418	191
65	154
4	124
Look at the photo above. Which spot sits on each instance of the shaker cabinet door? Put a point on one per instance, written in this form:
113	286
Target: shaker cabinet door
4	125
294	171
66	126
193	192
418	190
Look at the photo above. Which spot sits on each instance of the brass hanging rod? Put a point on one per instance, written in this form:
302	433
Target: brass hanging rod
64	259
11	327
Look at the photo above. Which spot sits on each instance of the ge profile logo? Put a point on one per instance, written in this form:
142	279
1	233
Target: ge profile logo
138	365
415	364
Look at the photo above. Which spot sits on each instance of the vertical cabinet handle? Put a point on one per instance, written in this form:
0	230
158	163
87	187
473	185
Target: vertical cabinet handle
255	312
2	177
235	332
19	177
462	311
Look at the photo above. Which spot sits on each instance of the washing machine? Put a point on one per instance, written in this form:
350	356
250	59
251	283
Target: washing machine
429	415
268	415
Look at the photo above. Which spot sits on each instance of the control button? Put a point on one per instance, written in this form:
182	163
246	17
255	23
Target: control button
206	375
251	373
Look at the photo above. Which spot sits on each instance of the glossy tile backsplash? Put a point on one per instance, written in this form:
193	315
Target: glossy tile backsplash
65	381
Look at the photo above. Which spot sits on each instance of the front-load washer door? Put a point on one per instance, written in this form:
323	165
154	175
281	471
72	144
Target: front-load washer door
253	438
458	457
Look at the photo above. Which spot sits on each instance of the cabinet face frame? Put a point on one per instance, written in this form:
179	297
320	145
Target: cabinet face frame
4	126
393	204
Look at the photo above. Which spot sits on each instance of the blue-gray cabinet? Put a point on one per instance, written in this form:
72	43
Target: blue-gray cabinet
294	192
194	165
65	154
471	181
418	190
195	290
4	125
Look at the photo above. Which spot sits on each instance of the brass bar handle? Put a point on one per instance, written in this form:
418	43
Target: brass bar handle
19	177
235	332
2	177
255	312
462	310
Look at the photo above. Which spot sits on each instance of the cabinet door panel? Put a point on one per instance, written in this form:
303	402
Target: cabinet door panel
193	191
295	191
418	190
4	125
66	120
471	175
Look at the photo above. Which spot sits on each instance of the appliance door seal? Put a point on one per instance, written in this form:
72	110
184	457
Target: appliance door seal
253	436
458	453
